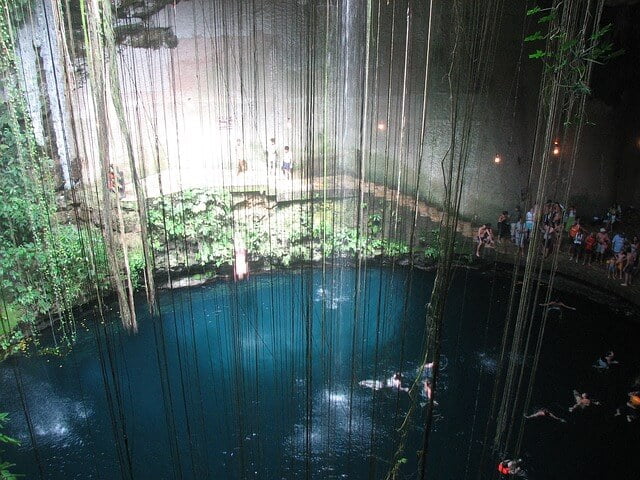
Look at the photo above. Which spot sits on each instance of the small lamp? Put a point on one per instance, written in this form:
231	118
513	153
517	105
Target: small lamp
497	159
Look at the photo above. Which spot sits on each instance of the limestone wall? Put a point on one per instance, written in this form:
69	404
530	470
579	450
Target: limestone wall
301	73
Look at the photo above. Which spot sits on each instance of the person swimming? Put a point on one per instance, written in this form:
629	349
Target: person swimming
556	305
630	408
543	412
394	382
605	361
512	467
582	401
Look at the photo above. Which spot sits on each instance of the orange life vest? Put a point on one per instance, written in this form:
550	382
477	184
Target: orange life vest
574	230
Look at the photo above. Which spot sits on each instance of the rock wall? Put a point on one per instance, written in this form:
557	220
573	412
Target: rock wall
301	73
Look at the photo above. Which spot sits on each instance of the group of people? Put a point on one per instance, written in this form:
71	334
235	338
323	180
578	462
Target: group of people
115	180
275	159
607	245
582	401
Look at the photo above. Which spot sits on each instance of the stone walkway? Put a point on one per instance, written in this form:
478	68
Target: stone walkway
259	180
585	279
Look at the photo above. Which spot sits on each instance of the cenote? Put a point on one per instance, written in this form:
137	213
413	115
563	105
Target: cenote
252	239
260	380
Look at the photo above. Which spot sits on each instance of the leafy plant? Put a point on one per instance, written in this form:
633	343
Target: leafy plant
567	53
5	473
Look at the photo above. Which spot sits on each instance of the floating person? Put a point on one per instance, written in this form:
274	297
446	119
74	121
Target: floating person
511	467
425	369
272	155
394	382
556	306
427	390
543	412
630	408
241	266
582	401
373	384
287	162
605	361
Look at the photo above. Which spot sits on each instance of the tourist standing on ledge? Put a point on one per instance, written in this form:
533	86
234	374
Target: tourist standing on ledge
484	238
589	247
629	266
571	218
548	238
287	162
617	243
529	221
503	226
240	160
603	244
520	234
272	155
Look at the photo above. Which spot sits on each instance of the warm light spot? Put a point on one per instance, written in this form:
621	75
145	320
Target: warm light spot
381	126
497	159
556	148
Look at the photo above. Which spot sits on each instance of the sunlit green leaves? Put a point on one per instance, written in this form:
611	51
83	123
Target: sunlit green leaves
534	10
538	54
534	36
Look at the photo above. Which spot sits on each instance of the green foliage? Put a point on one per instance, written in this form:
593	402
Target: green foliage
17	9
136	267
430	240
43	266
5	473
375	224
567	54
194	222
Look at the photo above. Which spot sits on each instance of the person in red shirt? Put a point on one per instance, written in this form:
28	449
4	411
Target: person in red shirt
589	248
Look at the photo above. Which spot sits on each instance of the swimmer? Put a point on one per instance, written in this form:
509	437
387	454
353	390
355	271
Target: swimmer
427	388
396	382
555	305
631	407
425	369
543	412
393	382
511	467
582	401
372	384
605	361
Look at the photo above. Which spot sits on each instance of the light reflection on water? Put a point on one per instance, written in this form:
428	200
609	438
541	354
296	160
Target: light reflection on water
233	357
262	379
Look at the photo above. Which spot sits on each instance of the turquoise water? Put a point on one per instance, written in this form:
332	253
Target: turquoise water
260	380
